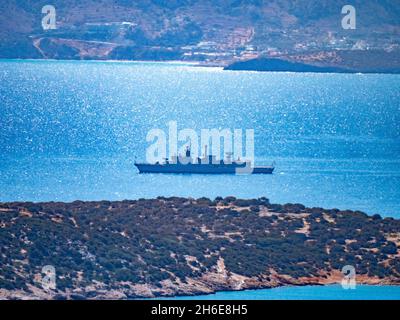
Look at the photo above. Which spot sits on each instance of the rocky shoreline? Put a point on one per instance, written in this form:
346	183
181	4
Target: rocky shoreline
180	246
338	61
209	284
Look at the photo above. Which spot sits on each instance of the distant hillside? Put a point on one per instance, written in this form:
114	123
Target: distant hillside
209	31
355	61
268	64
180	246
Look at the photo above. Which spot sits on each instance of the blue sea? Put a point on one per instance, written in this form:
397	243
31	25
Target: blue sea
329	292
72	129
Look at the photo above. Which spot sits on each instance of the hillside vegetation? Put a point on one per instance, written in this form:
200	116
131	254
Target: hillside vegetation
171	246
216	32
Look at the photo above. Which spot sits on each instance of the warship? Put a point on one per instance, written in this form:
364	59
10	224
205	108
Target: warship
208	164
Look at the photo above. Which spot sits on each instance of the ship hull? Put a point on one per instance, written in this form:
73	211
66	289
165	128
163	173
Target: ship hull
201	169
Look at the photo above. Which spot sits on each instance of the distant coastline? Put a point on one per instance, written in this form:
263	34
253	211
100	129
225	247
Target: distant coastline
183	246
281	65
189	63
215	33
257	65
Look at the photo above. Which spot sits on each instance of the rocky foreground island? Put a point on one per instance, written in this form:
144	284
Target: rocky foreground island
180	246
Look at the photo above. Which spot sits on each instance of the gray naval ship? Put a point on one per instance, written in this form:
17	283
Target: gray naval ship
205	165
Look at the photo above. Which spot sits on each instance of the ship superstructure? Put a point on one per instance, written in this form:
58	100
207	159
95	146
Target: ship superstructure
208	164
